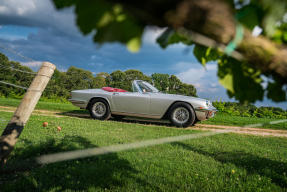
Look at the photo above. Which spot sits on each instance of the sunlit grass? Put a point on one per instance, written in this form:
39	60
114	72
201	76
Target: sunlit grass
226	119
226	162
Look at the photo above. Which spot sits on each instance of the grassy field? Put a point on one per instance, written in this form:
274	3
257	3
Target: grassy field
219	119
226	162
226	119
64	107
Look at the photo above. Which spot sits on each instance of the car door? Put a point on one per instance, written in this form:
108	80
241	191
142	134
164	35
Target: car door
131	102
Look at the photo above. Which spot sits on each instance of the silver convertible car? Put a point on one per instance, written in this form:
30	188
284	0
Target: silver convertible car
145	101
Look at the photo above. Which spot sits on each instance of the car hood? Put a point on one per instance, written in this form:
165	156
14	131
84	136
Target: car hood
179	97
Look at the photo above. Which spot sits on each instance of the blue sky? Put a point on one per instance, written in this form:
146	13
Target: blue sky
35	29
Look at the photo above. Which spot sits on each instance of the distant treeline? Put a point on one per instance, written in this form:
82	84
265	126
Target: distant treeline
74	78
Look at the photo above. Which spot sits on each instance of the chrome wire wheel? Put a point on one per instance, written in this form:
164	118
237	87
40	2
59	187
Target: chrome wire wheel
180	115
99	109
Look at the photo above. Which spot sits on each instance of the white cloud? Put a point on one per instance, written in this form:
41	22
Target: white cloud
194	75
36	13
32	63
204	79
3	9
151	34
183	66
18	7
256	31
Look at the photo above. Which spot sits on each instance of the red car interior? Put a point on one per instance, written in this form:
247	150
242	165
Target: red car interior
110	89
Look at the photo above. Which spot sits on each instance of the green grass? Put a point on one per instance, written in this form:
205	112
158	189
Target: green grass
45	105
226	119
226	162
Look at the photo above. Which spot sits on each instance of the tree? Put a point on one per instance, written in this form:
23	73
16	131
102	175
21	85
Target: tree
214	27
62	83
174	84
13	76
177	87
56	86
76	78
171	84
100	80
117	79
161	81
133	74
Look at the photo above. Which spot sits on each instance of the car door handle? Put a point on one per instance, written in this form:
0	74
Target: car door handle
115	93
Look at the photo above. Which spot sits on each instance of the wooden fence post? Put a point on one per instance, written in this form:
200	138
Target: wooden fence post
22	114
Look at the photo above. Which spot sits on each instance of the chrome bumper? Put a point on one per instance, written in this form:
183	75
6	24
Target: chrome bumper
205	113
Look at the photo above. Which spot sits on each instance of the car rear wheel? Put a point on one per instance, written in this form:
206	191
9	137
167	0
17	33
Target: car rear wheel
182	115
99	109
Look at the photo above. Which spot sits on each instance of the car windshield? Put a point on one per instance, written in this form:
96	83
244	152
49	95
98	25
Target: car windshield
146	87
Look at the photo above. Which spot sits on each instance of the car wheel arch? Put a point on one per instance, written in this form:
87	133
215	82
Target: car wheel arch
166	114
93	98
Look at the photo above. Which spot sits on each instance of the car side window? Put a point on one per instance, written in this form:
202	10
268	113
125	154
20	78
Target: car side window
144	87
134	88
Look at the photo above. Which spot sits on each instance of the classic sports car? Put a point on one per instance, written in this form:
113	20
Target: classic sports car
145	101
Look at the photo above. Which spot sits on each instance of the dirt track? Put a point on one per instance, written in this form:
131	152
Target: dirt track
233	129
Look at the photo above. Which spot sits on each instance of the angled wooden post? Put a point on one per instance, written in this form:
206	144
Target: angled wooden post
22	114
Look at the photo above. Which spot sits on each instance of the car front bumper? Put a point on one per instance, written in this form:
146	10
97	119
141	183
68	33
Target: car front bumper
205	113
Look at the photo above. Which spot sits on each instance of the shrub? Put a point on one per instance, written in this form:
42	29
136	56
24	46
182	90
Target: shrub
250	110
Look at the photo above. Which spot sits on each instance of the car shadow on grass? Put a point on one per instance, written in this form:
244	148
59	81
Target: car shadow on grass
106	172
144	121
272	169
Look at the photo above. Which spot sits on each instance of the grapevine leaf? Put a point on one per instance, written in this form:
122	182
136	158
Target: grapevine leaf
204	54
110	22
249	16
275	91
169	36
240	81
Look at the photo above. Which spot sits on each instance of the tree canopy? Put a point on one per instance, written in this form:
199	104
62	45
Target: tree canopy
75	78
250	67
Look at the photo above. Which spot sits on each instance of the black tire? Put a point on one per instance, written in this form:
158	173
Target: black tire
103	111
118	117
182	115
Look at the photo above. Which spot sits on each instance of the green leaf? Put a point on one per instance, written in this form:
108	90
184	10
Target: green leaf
241	82
248	16
275	10
227	82
169	36
134	44
109	20
204	54
276	92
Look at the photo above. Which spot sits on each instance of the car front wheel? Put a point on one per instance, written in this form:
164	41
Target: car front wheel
99	109
182	115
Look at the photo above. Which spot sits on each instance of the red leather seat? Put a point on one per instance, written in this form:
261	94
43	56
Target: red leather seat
110	89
